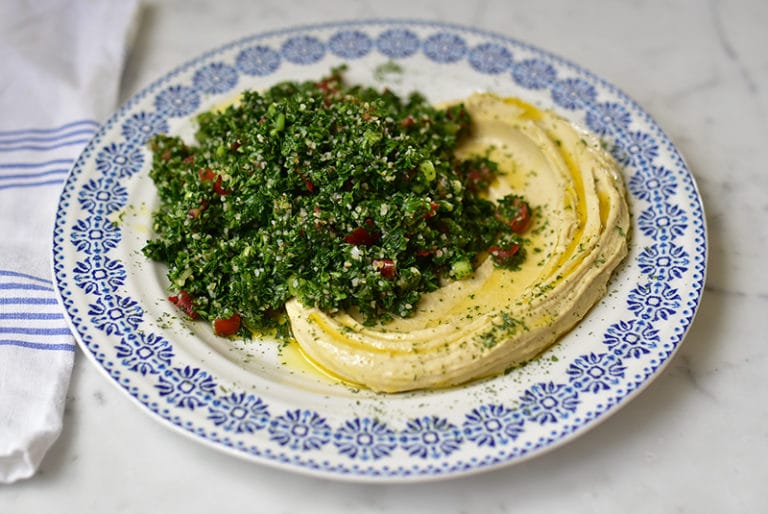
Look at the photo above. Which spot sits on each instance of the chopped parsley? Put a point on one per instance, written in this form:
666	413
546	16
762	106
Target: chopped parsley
343	196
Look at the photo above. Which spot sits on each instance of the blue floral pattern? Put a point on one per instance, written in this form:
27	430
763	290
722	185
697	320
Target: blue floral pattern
239	413
145	353
549	402
99	274
653	184
445	47
365	439
534	73
350	44
664	262
398	43
103	196
430	437
573	93
116	315
95	235
120	160
186	387
608	118
139	127
663	222
594	373
638	147
654	301
258	60
177	101
632	339
215	78
303	50
90	265
492	425
490	58
300	430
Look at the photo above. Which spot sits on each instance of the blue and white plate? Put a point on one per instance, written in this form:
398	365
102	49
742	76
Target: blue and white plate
256	401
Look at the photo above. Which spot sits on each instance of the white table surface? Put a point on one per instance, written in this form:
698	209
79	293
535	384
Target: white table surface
694	441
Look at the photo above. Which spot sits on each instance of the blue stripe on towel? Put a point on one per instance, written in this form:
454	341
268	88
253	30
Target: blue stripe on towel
55	171
35	321
27	301
31	315
36	331
18	185
18	286
47	139
49	130
40	157
70	347
43	148
27	165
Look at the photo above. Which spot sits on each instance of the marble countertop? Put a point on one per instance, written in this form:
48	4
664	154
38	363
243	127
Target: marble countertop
694	441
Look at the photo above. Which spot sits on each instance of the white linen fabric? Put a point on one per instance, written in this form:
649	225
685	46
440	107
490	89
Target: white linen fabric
60	69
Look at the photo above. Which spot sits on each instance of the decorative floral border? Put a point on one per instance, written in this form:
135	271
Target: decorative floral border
670	223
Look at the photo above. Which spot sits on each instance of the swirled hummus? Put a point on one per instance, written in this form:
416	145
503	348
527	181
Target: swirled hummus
499	318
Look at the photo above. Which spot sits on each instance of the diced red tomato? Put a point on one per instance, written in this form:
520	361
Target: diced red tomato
227	326
479	178
206	174
523	217
503	256
432	210
329	85
195	212
386	267
217	187
363	236
308	183
184	301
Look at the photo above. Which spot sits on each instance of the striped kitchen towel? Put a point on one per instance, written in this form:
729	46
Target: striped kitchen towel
60	67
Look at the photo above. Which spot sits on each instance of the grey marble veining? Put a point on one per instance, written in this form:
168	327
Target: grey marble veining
693	441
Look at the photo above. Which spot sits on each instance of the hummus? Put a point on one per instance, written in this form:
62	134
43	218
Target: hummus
497	319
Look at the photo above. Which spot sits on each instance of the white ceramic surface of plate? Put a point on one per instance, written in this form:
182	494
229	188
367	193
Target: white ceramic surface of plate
259	402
